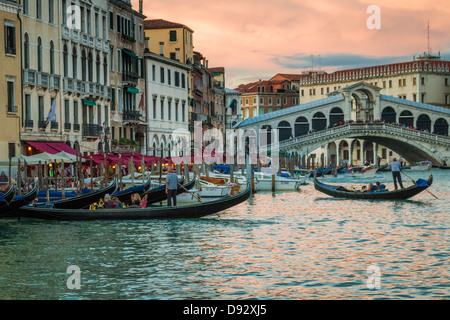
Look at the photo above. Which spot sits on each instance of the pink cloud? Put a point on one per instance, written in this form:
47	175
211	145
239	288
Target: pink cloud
245	36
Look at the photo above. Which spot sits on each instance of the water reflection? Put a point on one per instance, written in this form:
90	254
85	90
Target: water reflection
293	245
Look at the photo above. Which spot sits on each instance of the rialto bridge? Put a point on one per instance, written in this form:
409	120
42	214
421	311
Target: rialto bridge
357	123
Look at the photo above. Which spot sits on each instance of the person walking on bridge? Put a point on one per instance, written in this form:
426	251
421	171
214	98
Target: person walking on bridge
396	175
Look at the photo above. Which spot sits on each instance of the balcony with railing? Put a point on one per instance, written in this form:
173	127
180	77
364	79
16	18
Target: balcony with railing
43	80
42	124
130	76
55	81
131	115
76	127
54	125
85	39
29	77
29	124
91	130
68	85
67	126
11	108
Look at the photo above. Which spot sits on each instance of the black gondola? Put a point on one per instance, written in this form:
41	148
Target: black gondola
85	200
18	202
400	194
321	172
125	195
7	197
158	194
179	212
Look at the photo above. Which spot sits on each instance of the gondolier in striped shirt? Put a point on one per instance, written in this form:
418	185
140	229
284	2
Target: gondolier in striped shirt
171	186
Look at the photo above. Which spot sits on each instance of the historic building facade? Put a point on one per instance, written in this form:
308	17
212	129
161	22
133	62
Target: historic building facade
10	79
127	76
266	96
167	101
425	80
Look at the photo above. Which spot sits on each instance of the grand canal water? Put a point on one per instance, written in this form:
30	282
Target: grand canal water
293	245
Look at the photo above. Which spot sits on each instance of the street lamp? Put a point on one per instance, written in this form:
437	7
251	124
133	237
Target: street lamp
105	135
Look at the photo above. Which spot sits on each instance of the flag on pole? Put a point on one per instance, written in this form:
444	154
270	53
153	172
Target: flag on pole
52	113
142	103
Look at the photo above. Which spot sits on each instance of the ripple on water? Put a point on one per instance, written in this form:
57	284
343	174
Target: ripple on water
294	245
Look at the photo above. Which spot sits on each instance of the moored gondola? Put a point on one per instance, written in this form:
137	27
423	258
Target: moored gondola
7	197
18	202
85	200
400	194
125	195
321	172
179	212
158	194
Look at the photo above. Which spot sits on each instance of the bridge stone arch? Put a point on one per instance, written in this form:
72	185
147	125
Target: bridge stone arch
389	115
301	126
413	145
423	122
336	115
441	127
285	130
406	117
319	121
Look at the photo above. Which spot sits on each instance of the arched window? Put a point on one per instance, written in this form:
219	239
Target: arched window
74	63
83	65
441	127
319	121
389	115
98	68
26	52
336	116
52	57
105	71
90	67
65	61
39	54
285	130
301	126
423	123
406	118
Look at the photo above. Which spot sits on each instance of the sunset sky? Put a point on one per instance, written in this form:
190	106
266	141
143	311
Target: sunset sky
256	39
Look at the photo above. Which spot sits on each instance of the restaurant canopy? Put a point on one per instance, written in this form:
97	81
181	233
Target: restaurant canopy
113	159
35	159
52	147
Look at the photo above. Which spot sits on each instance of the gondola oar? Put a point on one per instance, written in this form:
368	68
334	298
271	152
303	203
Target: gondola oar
190	193
415	182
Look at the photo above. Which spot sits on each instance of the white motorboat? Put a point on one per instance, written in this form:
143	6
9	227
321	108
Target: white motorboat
209	189
422	166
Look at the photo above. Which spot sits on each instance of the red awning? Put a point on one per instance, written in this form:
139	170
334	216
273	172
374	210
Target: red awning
52	147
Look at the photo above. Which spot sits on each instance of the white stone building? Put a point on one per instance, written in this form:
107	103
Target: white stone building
167	104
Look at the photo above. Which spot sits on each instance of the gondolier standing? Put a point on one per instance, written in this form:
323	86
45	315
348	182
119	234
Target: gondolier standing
171	186
396	167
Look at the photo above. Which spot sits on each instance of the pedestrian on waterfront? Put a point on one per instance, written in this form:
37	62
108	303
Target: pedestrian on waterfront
171	186
396	176
3	178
